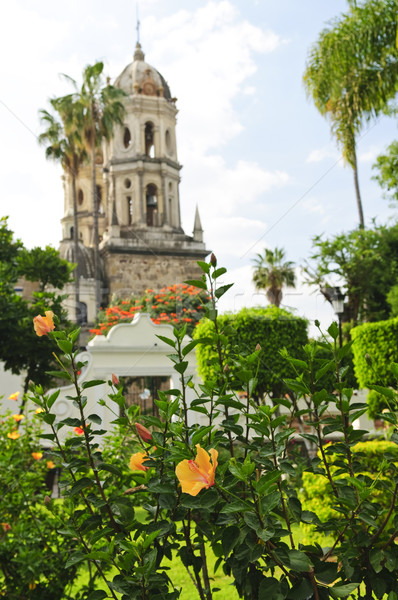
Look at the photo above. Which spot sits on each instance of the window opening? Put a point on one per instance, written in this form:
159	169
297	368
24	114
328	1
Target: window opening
98	192
151	205
149	140
129	210
126	138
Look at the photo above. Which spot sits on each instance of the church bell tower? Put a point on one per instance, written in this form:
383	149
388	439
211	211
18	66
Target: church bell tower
142	242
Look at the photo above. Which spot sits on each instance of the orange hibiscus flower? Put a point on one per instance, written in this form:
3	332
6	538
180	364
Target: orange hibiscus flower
45	324
136	461
194	475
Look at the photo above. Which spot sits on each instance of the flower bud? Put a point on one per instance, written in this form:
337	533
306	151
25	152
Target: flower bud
258	347
143	432
213	260
115	379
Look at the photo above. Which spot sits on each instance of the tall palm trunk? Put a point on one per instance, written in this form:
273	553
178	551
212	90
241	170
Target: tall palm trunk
97	269
354	165
76	247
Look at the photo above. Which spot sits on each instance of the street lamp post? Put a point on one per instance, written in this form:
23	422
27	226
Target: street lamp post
337	299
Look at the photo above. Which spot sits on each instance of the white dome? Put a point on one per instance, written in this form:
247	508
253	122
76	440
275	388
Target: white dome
141	78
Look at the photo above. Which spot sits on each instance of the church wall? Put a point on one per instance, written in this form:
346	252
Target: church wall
135	273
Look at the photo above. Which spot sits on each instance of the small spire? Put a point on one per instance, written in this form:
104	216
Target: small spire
138	25
138	54
197	227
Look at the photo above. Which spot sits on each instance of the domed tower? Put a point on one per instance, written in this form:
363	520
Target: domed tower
142	243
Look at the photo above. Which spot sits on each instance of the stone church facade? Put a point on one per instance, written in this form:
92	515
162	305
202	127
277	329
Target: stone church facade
142	243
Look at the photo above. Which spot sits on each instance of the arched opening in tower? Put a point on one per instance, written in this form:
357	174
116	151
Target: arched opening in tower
149	140
151	205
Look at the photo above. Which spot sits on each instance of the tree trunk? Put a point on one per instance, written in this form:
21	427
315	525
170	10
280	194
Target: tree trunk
76	248
357	192
97	269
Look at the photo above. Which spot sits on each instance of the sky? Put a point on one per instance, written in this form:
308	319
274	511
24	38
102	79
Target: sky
258	159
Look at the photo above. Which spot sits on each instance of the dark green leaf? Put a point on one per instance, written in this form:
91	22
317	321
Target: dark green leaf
95	419
341	591
92	383
74	559
229	538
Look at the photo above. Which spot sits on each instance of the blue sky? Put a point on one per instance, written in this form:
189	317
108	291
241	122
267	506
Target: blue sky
258	159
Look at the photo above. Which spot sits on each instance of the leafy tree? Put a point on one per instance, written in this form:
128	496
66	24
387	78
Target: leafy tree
271	273
19	349
352	73
64	144
367	264
387	167
99	108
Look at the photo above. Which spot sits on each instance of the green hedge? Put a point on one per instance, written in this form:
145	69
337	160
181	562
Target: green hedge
316	494
273	328
375	348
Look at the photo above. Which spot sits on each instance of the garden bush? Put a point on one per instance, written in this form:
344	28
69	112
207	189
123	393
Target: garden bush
270	328
317	494
375	348
33	552
225	485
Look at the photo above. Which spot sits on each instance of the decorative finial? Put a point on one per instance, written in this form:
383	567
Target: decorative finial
138	54
138	25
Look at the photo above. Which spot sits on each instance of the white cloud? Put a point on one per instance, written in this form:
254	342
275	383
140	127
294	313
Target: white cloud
207	55
313	205
320	154
370	155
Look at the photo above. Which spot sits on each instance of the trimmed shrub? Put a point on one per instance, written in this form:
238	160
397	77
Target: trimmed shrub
375	348
272	328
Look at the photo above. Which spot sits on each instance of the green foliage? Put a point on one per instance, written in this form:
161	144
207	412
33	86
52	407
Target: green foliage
216	472
19	349
272	328
317	495
392	299
32	552
375	350
366	261
376	404
387	167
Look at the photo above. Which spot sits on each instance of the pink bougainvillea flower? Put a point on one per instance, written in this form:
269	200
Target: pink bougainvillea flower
43	325
136	461
194	475
37	455
14	396
18	418
50	464
14	435
78	431
143	432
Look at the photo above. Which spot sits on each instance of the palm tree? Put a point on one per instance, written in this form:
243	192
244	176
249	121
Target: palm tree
271	274
101	108
352	72
62	134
